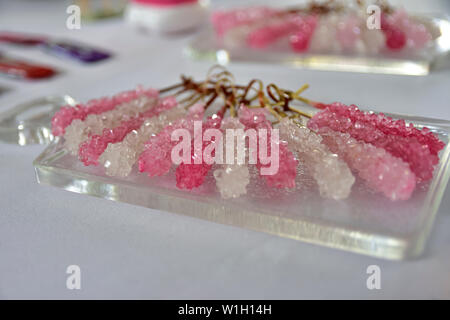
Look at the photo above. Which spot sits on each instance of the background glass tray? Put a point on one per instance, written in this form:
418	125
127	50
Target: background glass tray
30	122
206	45
366	223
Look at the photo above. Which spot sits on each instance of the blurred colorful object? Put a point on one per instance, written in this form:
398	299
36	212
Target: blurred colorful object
21	38
65	48
100	9
25	70
79	52
167	16
330	27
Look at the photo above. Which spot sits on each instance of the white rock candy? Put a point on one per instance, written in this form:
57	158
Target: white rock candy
381	170
119	158
324	36
79	131
374	40
232	179
333	175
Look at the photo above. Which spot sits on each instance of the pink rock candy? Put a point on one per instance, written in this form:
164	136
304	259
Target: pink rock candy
156	160
67	114
333	32
79	130
381	171
349	32
301	38
91	149
287	171
226	20
331	173
419	148
192	175
119	158
273	31
395	37
416	33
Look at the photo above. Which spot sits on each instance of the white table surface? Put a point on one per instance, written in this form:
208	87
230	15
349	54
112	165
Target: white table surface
127	251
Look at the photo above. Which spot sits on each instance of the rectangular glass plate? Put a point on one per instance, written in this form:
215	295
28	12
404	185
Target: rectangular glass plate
206	45
366	222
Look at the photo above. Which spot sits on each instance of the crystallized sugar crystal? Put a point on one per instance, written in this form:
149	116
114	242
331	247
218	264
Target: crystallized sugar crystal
226	20
381	171
349	32
345	32
333	176
236	37
395	36
287	169
401	30
300	39
192	175
156	159
94	124
119	158
67	114
250	118
419	148
324	38
332	32
232	178
373	40
91	149
273	30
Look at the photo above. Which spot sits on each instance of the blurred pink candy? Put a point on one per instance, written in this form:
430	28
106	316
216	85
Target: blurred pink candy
67	114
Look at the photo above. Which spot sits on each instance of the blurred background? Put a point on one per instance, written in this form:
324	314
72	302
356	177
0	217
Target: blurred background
143	56
133	252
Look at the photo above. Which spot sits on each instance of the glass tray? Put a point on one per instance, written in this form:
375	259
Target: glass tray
30	122
366	222
206	45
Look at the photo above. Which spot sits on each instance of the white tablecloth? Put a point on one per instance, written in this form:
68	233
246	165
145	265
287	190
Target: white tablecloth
126	251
